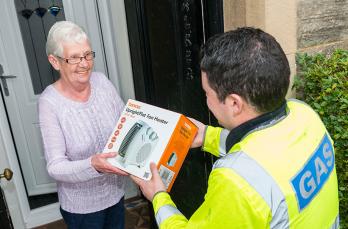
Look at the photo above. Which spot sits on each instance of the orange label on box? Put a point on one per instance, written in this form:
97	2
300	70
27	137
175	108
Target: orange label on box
176	150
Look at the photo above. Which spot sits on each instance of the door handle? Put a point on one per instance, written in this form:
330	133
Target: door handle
3	80
7	174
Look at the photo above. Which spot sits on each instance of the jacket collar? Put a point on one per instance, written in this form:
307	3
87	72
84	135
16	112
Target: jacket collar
237	133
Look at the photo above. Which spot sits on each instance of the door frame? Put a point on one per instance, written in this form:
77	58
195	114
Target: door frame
118	67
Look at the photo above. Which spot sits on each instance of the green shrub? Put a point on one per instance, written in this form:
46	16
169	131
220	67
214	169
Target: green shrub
322	82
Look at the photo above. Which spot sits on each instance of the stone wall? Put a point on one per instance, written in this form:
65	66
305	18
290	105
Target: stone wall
322	25
273	16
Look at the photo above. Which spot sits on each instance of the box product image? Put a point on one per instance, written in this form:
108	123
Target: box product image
145	133
140	139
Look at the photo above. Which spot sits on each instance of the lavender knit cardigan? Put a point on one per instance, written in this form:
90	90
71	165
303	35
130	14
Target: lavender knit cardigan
72	132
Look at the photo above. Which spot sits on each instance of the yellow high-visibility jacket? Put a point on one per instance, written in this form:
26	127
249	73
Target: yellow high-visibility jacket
279	172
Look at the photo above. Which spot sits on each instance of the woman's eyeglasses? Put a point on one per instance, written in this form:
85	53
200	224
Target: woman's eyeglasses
76	60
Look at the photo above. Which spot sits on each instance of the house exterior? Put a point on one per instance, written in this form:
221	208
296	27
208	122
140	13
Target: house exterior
141	65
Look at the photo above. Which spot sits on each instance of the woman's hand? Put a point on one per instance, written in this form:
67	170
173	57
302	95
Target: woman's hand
198	140
151	187
100	164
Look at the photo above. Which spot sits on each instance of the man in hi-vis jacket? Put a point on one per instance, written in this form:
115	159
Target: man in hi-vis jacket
276	166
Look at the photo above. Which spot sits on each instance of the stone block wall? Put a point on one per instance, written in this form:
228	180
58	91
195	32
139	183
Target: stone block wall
310	26
322	25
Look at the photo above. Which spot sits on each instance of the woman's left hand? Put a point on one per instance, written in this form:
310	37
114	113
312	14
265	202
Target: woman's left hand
100	164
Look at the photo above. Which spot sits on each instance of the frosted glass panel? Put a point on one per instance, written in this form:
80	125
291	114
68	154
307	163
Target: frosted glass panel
35	19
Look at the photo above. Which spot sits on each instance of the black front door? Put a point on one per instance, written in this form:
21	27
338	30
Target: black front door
5	219
165	38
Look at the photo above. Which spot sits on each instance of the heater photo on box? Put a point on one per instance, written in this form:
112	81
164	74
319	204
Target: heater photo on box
137	145
145	133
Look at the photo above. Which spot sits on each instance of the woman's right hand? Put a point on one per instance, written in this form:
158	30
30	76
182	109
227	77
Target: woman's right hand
100	164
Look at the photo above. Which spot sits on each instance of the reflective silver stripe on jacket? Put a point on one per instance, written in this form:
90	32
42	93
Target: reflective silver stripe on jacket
262	182
222	144
336	224
166	211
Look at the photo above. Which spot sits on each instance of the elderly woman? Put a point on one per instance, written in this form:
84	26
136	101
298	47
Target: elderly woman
77	114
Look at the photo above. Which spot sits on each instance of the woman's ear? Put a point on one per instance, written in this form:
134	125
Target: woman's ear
235	103
54	62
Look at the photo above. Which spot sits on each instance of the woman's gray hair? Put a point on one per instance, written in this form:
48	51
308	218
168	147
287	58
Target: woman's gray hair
63	31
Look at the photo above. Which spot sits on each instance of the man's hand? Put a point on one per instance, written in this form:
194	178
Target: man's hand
198	140
151	187
101	165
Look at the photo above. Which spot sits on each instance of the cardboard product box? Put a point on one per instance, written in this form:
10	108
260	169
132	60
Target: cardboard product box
146	133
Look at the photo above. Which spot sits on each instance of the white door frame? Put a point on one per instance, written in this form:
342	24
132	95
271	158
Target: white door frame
117	56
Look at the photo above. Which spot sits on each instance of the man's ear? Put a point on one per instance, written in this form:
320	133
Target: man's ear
54	62
235	103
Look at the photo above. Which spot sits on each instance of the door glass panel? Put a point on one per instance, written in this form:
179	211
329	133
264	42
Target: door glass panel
35	19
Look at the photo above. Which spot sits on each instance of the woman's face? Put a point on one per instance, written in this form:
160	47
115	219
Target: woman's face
76	74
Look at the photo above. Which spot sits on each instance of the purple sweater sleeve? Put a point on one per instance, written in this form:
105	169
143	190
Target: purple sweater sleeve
59	166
